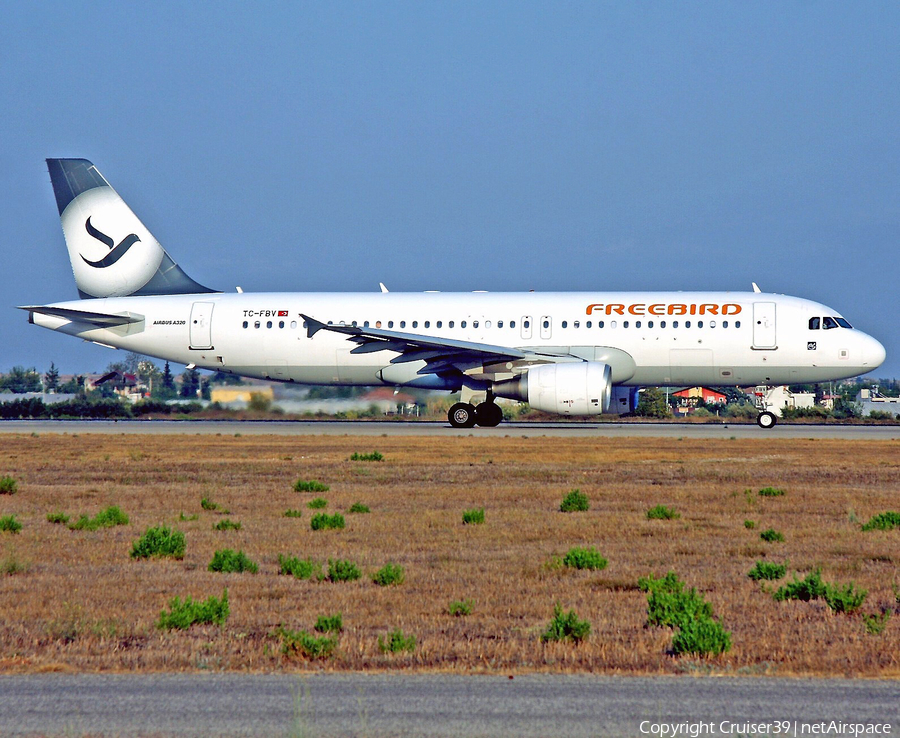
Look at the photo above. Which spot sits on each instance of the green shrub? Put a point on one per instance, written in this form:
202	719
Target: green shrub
584	558
317	504
342	571
771	492
159	542
749	524
9	524
58	518
208	504
187	518
674	609
229	561
227	524
575	501
460	608
703	636
8	486
388	575
810	588
473	517
299	568
844	598
184	614
10	566
330	623
566	626
374	456
358	507
772	536
875	624
669	583
310	486
395	642
767	570
293	513
324	521
883	521
108	518
306	644
661	512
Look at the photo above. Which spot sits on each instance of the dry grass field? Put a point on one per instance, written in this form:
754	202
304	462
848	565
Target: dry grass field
76	601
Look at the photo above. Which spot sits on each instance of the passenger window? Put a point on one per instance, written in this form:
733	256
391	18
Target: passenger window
576	324
293	324
600	324
512	324
815	324
378	324
499	323
737	324
450	324
462	324
565	324
366	324
256	324
662	324
587	324
415	324
390	324
674	323
246	324
487	324
712	324
624	323
268	324
637	324
281	324
474	323
829	323
649	323
546	324
687	324
403	324
612	324
699	323
428	324
440	323
353	323
526	324
724	323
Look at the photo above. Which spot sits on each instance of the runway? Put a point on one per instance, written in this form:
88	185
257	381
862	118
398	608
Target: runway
439	428
441	705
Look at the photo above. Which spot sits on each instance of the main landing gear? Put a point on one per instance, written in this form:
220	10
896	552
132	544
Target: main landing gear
766	420
465	415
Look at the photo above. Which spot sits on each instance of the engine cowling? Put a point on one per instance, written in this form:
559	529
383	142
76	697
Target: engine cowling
581	388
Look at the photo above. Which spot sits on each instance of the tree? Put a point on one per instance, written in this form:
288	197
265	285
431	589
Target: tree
51	378
21	380
653	404
190	383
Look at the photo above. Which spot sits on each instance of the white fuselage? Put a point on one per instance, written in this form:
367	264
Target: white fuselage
707	338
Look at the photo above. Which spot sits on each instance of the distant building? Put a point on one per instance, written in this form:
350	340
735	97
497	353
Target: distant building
872	399
225	395
693	396
776	399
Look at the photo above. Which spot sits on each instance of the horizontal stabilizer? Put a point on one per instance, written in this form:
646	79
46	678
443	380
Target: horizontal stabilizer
101	320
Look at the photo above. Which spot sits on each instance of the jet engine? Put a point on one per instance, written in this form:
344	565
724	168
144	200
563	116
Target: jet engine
581	388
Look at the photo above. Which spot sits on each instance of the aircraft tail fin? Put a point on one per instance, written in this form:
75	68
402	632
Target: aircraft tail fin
111	251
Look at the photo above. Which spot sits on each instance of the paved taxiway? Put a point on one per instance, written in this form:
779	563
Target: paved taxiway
435	428
436	705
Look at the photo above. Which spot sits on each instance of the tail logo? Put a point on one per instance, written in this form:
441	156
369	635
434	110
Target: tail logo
116	251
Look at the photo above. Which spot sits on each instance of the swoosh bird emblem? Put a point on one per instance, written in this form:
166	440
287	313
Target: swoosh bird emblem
116	251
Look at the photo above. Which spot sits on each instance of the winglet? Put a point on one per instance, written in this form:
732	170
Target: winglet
313	326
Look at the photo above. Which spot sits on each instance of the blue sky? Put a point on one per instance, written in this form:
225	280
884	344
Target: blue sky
458	146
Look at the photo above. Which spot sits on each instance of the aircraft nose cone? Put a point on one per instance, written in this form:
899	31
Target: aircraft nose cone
873	353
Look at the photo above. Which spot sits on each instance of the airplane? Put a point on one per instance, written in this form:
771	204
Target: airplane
572	353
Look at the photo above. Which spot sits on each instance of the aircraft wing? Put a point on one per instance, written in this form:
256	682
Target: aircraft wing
101	320
439	354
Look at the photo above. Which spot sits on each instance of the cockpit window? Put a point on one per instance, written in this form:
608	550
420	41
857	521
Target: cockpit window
815	324
829	322
843	323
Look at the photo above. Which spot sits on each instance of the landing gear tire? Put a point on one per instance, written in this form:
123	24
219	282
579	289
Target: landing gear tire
462	415
766	420
488	415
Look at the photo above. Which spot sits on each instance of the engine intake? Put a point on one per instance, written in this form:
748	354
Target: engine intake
581	388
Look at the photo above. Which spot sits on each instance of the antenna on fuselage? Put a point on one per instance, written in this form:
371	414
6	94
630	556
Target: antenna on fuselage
756	287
